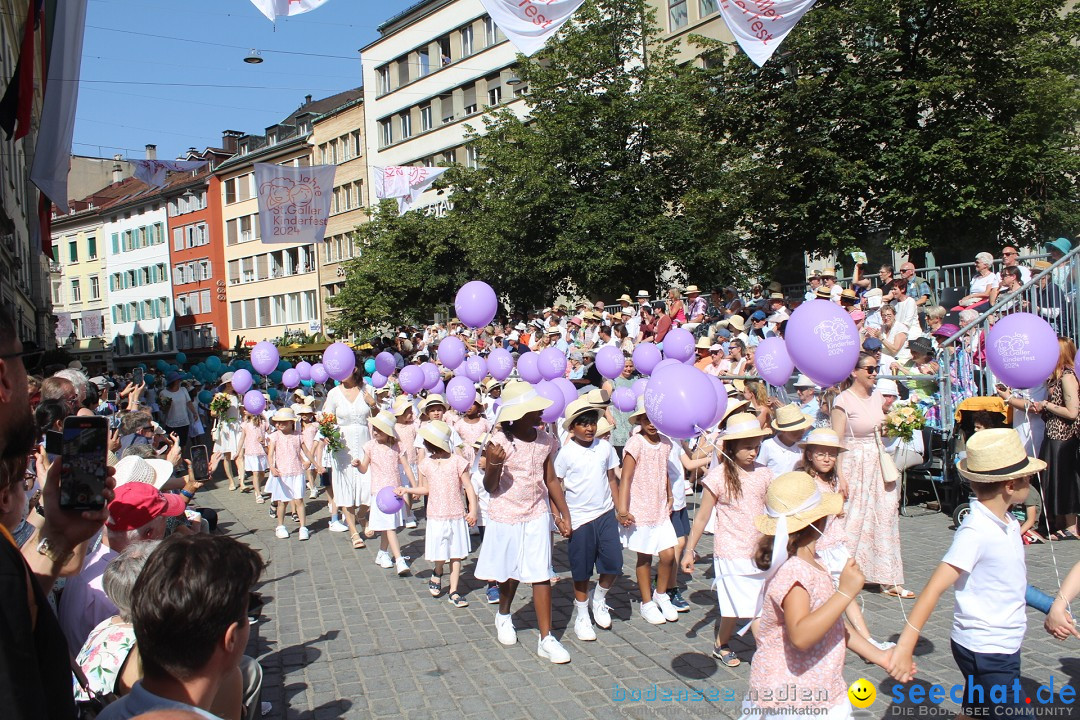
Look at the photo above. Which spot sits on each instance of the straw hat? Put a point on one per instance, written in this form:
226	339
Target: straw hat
626	298
554	330
796	491
828	272
135	469
603	427
887	386
433	399
227	377
598	396
823	293
384	421
804	382
847	294
518	400
304	410
401	404
639	410
744	425
737	322
283	415
703	343
995	455
735	405
490	384
692	290
579	407
643	294
437	433
823	437
1040	264
790	417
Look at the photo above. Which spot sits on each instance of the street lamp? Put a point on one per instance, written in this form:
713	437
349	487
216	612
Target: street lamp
253	57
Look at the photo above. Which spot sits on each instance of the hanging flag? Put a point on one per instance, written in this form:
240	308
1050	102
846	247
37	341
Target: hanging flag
92	325
18	100
759	26
406	183
528	24
294	203
153	172
273	9
52	158
64	327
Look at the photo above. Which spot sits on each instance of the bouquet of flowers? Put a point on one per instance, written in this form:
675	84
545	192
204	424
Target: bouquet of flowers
220	405
330	431
903	421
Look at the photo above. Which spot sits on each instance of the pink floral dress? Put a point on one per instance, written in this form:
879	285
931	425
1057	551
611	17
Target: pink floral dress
735	535
254	440
522	492
288	457
103	655
383	467
443	478
649	489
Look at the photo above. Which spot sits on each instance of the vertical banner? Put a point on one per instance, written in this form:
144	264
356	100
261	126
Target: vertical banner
63	327
404	182
759	26
154	172
294	203
273	9
92	324
528	24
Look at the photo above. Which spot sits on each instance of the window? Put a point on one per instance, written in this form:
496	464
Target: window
676	14
91	248
423	63
472	157
115	245
95	288
181	305
469	92
204	299
708	7
179	278
234	272
386	132
494	90
358	144
73	251
230	191
444	51
490	31
466	41
76	294
403	71
425	118
384	79
178	239
449	157
406	125
205	270
245	229
57	292
446	103
231	237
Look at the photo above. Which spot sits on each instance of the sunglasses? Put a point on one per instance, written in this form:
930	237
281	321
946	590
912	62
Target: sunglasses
870	369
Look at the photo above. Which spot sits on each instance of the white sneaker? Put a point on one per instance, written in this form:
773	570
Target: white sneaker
882	645
652	613
601	613
583	628
383	559
313	493
338	526
553	650
304	534
504	627
664	603
410	524
402	566
282	532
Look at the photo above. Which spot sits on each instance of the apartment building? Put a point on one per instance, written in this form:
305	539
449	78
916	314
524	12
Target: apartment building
79	285
679	19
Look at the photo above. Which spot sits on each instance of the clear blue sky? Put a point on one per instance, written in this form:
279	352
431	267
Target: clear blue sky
131	92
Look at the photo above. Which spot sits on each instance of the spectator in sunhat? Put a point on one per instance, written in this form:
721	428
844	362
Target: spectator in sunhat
697	309
1058	249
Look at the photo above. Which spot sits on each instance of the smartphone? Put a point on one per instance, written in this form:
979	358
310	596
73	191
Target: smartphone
200	463
137	376
83	462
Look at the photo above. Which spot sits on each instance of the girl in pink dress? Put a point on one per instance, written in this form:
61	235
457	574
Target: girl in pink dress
801	637
308	430
288	460
406	426
472	425
443	477
253	453
384	458
735	488
643	510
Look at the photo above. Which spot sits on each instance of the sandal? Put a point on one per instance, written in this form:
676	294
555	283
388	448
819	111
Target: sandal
357	542
898	591
458	600
1065	534
232	487
245	489
260	500
434	585
369	533
726	655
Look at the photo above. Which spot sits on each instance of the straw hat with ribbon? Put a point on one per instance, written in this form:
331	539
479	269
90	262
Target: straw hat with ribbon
433	399
792	502
790	417
437	433
995	455
401	404
384	422
743	425
578	408
822	293
823	437
603	427
518	400
638	411
283	415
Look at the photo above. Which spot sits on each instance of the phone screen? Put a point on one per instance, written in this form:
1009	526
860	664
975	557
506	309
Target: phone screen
137	376
84	463
200	463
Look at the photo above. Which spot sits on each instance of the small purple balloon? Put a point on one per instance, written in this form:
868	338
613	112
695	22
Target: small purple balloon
476	304
551	363
431	374
646	356
1022	350
528	369
388	502
339	361
679	344
500	363
241	381
304	368
822	340
254	402
475	368
385	363
290	378
318	373
451	352
411	379
721	399
264	357
610	362
551	391
439	388
460	393
773	362
624	399
679	400
639	387
378	380
570	393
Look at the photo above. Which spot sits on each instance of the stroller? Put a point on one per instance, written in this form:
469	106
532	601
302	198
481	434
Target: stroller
989	412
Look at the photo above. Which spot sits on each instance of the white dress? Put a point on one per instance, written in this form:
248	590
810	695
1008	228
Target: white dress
227	429
351	487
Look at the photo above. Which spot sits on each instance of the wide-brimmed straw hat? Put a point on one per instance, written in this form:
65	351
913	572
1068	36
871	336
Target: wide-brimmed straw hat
790	417
743	425
519	399
703	343
603	427
639	410
692	290
626	299
283	415
401	404
304	409
433	399
828	272
823	293
384	421
736	321
997	454
579	407
795	495
823	437
437	433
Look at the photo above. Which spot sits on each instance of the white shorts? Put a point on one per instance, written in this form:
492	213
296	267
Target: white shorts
286	487
378	520
255	463
446	540
834	559
738	585
841	711
519	551
648	540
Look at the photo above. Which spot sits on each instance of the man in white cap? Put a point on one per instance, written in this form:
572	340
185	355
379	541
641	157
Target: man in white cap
807	390
643	299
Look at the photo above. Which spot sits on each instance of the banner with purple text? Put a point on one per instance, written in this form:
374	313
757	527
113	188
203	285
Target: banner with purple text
528	24
760	26
63	327
277	8
405	183
153	172
92	324
294	203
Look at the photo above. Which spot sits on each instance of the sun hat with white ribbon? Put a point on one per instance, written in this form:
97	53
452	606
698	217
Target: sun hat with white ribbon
792	502
518	400
384	421
823	437
790	417
743	425
437	433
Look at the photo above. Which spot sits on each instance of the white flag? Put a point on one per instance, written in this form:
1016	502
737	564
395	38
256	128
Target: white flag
391	182
406	183
92	324
760	26
153	172
63	327
528	24
294	203
276	8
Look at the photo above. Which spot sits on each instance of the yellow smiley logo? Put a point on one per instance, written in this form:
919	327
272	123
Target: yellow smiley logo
862	693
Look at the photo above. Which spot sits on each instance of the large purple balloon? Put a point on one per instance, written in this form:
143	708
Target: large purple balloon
304	368
318	373
679	344
241	381
378	380
528	368
669	362
680	401
460	393
646	356
721	399
385	363
476	304
254	402
388	502
451	352
1022	350
610	362
475	368
822	340
264	357
290	378
624	399
552	363
431	374
551	391
500	363
411	379
570	393
339	361
773	362
639	387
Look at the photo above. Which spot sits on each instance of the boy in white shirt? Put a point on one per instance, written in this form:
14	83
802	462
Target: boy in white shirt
780	452
986	566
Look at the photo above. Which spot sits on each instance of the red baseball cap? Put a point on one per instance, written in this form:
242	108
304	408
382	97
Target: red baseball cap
136	504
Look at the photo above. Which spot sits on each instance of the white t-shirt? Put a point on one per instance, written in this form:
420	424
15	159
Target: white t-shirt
584	472
989	614
177	414
981	284
777	456
907	312
676	476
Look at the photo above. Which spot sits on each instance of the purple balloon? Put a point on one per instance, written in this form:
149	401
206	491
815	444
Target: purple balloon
551	391
679	344
822	340
639	387
610	362
528	367
669	362
290	378
552	363
304	368
773	362
460	393
570	393
500	363
411	379
624	399
264	357
476	304
339	361
378	380
254	402
451	352
241	381
440	387
680	400
318	373
388	502
385	363
1022	350
431	374
646	356
721	399
475	368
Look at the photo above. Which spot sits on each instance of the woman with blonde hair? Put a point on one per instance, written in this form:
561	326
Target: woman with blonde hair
761	404
675	309
1060	410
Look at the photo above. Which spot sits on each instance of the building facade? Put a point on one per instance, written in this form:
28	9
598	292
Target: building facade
79	286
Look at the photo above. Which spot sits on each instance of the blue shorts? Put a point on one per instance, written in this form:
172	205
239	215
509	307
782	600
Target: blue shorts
680	520
981	672
596	543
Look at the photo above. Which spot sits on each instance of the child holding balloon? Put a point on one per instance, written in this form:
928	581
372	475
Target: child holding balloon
288	461
383	457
